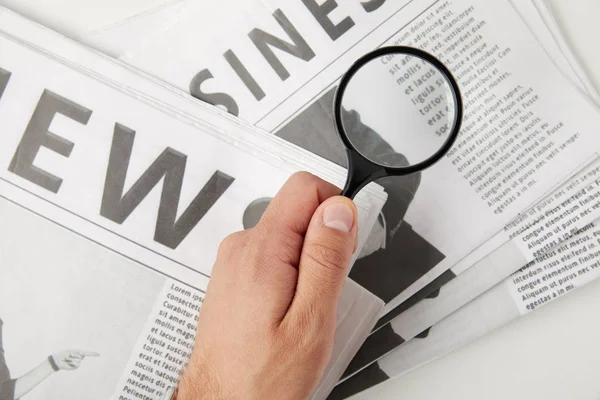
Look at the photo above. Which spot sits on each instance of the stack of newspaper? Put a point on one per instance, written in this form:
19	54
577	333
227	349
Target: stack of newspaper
506	223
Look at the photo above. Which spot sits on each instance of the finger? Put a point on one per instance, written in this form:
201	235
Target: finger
286	219
328	247
75	356
276	243
234	243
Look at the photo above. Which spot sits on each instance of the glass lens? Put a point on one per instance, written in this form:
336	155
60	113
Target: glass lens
398	110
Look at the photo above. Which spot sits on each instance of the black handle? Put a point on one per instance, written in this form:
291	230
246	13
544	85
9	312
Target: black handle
361	172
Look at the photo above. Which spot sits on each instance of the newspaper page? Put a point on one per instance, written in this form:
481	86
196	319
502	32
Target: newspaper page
119	268
560	272
474	319
276	64
388	337
556	220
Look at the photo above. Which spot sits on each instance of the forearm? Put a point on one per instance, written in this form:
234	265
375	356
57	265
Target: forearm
30	380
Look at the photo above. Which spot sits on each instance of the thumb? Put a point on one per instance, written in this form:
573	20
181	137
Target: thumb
327	251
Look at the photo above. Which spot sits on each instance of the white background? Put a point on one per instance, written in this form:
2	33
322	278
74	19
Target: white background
554	353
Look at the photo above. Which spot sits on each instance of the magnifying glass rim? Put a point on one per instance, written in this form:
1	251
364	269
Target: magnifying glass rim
382	51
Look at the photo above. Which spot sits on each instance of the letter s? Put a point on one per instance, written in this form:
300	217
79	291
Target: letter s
216	99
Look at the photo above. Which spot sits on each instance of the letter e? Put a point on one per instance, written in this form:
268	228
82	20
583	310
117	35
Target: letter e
37	135
321	12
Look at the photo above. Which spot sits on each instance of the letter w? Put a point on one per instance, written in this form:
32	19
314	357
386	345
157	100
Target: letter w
170	165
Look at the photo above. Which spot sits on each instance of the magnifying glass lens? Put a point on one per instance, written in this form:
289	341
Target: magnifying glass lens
399	110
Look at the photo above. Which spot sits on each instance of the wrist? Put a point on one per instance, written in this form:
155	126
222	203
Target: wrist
53	363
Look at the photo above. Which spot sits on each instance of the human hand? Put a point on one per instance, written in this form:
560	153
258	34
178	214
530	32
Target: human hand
71	359
267	324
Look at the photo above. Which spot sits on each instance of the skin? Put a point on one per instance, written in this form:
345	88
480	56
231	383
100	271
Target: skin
267	324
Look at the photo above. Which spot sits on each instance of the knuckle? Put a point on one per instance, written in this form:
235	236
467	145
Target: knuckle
232	243
276	245
305	180
286	246
226	245
311	183
302	177
332	256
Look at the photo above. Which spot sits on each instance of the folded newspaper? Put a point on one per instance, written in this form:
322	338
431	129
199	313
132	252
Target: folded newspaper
467	223
115	195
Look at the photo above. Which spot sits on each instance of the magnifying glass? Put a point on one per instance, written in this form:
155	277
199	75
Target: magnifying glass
398	111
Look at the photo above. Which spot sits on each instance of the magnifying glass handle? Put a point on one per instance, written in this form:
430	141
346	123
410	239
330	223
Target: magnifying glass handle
351	188
361	172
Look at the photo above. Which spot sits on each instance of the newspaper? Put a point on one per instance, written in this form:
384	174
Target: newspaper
517	295
377	280
276	64
557	219
415	319
387	339
564	270
120	266
561	64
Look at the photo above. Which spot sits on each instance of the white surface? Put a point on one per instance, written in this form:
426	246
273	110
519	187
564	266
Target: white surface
75	18
551	354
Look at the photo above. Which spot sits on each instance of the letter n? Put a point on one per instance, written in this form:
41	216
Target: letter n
298	48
